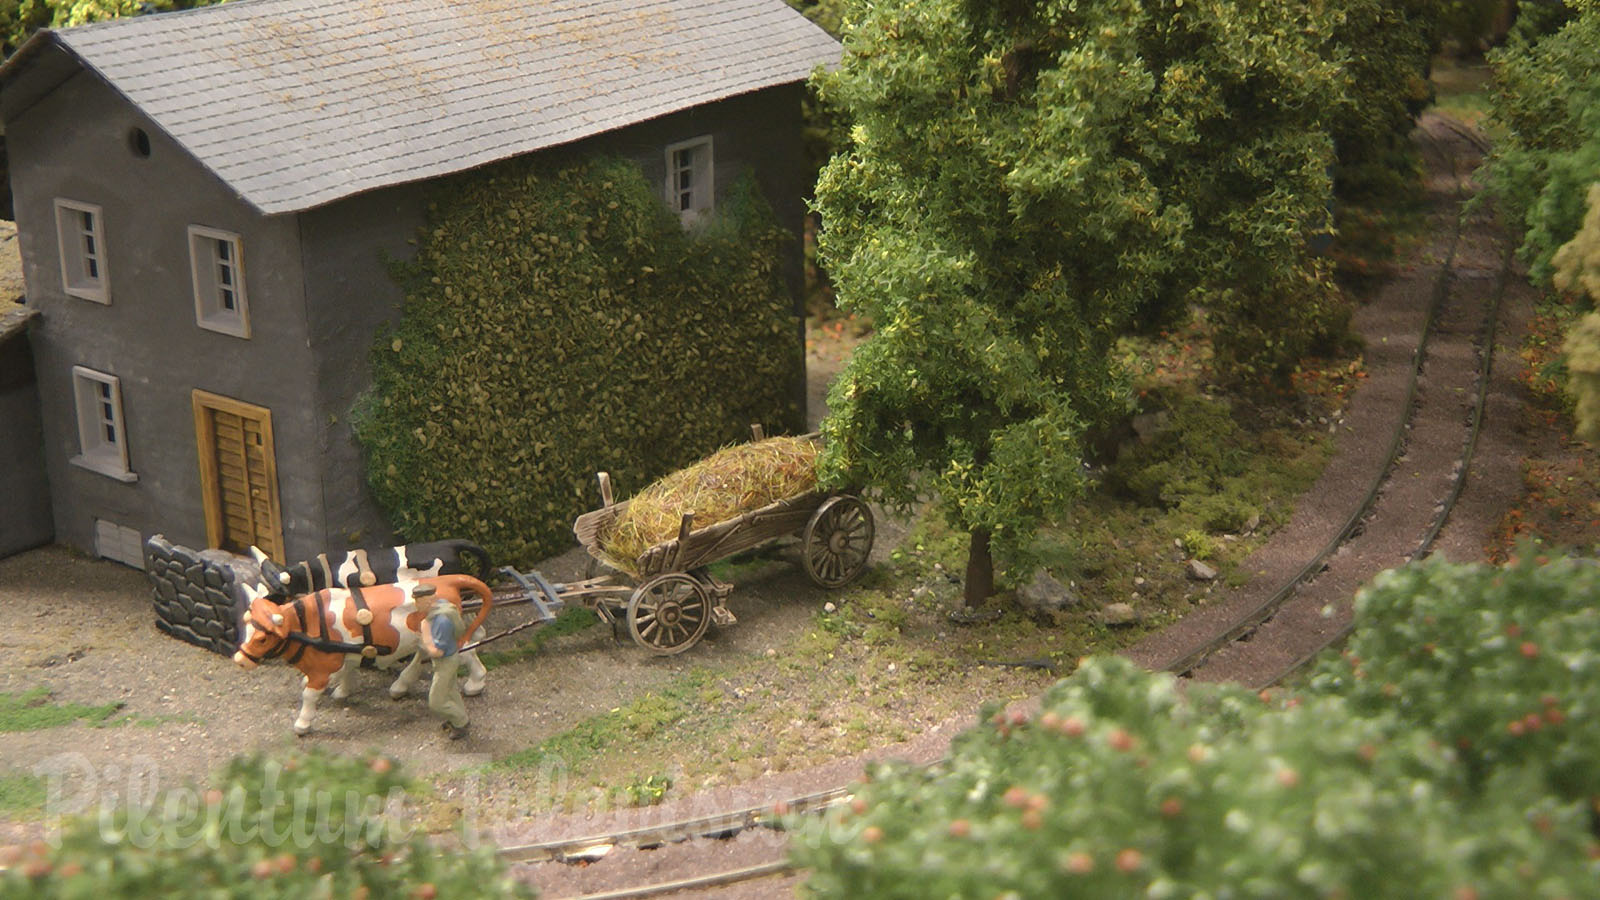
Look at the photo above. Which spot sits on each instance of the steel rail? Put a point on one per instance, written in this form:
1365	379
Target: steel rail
715	825
734	876
1251	619
1458	483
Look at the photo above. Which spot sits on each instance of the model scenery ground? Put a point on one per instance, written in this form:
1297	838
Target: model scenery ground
574	720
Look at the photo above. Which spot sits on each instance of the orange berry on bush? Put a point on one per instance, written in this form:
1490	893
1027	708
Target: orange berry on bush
1171	808
960	828
871	834
1079	863
1129	860
1120	740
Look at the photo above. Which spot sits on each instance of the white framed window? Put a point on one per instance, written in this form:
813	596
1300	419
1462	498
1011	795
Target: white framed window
217	260
80	232
689	179
102	434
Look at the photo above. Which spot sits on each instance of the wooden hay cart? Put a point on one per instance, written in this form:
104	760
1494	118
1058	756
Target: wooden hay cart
676	599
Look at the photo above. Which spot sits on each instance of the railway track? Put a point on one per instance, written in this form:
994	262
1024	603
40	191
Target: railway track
1397	518
1263	639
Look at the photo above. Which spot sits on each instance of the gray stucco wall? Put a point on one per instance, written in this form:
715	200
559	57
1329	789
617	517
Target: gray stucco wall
349	292
75	144
24	491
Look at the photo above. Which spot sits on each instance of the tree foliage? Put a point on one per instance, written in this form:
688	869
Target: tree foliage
1547	95
1025	182
1577	269
1384	49
21	18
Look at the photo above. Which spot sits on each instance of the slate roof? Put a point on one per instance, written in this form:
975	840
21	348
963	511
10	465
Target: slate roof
296	103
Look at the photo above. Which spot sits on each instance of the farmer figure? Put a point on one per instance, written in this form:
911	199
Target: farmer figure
441	627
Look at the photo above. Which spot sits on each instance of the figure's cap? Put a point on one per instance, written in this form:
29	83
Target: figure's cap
423	590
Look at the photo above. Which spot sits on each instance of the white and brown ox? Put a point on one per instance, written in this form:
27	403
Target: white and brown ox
327	635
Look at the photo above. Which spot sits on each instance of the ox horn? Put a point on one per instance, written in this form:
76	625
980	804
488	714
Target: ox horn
277	618
256	552
254	593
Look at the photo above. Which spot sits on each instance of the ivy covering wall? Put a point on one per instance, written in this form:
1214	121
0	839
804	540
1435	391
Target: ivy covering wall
557	321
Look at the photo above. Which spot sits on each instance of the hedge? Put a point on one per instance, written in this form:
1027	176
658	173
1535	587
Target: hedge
559	320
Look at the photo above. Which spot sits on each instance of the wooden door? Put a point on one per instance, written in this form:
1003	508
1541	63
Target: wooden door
238	475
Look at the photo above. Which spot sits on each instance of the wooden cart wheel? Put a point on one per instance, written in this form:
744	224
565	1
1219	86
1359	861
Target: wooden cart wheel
837	540
669	613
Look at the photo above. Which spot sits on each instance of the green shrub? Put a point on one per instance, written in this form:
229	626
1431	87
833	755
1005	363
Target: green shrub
1122	788
558	321
1190	457
313	826
1501	664
1547	95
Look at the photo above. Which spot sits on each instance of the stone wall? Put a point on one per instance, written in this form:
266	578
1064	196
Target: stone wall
199	595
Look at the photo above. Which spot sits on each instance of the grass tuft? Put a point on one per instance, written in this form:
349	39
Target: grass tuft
33	711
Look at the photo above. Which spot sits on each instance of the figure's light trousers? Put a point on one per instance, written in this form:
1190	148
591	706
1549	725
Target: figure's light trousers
444	697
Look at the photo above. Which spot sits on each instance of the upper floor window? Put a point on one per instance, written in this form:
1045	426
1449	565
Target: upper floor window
80	232
217	261
102	437
689	179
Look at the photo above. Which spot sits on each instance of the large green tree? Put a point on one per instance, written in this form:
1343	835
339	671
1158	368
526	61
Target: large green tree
1025	182
21	18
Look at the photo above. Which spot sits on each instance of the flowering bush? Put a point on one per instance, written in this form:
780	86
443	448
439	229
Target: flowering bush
311	826
1122	787
1501	664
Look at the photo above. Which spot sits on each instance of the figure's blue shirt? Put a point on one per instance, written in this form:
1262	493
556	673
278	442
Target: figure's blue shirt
443	632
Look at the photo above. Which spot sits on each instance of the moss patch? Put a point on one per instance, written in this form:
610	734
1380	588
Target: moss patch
33	711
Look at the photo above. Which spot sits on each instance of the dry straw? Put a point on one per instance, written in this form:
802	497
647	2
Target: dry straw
733	481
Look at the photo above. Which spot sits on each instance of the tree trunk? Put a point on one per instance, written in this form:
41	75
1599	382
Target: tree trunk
980	571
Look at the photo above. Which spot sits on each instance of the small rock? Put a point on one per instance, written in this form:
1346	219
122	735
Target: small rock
1138	581
771	653
892	667
1119	614
1046	595
1133	597
1199	571
1252	523
1177	542
829	607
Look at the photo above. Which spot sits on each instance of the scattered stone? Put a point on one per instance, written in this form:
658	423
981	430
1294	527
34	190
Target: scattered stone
829	607
1138	581
892	668
771	653
1119	614
1199	571
1045	594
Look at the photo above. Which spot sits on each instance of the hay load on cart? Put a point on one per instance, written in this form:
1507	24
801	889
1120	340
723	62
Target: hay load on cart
734	500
